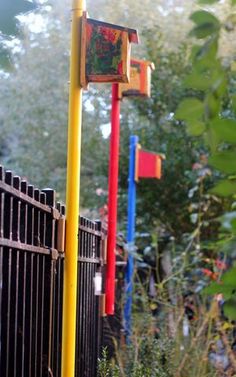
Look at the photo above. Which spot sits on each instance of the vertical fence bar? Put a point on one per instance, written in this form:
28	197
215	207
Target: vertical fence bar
16	211
23	239
87	303
9	218
98	324
43	279
90	297
8	207
56	352
49	292
60	279
36	241
31	274
23	215
15	236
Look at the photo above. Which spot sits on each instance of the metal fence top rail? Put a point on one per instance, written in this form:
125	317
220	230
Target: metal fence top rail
7	188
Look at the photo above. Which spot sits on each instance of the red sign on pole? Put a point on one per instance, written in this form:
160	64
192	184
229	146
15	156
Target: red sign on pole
148	164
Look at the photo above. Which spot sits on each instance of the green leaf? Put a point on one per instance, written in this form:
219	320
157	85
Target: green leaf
212	106
190	109
233	226
227	285
224	161
234	102
201	16
230	308
229	278
224	188
195	127
233	2
216	288
212	139
220	82
225	129
206	24
211	78
205	56
202	31
197	81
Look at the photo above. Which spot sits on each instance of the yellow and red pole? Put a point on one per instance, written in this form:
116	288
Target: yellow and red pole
72	195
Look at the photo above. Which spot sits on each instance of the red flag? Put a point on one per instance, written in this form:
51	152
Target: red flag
148	164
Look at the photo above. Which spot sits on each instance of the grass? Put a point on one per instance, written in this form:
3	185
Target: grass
159	347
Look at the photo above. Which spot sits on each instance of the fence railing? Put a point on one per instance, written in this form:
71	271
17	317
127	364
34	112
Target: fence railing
31	283
88	321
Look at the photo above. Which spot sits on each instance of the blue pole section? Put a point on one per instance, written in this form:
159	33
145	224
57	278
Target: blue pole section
130	238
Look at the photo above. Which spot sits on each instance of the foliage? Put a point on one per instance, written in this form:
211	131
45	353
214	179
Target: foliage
34	104
190	118
34	124
165	15
33	113
151	360
168	344
105	367
9	10
213	110
9	24
165	202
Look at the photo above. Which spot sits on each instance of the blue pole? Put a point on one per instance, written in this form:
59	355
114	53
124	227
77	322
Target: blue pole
130	238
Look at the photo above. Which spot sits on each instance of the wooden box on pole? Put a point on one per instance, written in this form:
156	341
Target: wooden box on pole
105	52
140	80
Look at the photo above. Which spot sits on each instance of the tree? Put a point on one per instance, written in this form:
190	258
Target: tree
8	12
162	202
165	15
9	25
211	108
34	107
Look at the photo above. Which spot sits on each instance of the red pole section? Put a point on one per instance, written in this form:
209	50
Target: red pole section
112	200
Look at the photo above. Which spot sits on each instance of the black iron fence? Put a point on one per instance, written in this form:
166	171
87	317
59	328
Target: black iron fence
88	335
31	283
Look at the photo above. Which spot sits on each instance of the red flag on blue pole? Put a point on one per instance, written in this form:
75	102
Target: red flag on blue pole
148	164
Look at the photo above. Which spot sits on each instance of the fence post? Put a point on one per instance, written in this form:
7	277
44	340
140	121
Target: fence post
50	242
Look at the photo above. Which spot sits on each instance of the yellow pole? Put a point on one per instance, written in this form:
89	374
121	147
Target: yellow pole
72	196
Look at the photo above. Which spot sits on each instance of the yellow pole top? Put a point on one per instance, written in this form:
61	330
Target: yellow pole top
79	4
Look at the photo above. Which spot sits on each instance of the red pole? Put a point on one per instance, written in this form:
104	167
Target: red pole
112	200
